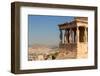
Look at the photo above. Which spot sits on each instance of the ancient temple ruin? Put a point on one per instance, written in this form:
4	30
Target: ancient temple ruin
74	36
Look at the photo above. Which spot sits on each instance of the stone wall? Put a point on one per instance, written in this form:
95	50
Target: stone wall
82	50
79	50
69	49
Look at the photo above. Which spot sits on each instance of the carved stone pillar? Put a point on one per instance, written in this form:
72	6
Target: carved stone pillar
64	37
74	35
77	35
67	35
61	36
70	36
85	33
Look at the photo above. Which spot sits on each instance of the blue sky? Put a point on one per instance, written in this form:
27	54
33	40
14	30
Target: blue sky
43	29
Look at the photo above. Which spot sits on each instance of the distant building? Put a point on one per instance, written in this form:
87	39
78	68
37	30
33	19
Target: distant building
74	36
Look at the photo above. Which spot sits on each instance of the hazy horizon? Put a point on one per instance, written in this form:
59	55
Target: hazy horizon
44	30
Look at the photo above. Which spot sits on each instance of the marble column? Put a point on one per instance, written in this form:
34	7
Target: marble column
77	35
61	36
66	36
85	33
70	36
74	35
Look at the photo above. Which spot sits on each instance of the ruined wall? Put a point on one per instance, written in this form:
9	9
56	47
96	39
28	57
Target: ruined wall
69	49
78	50
82	50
